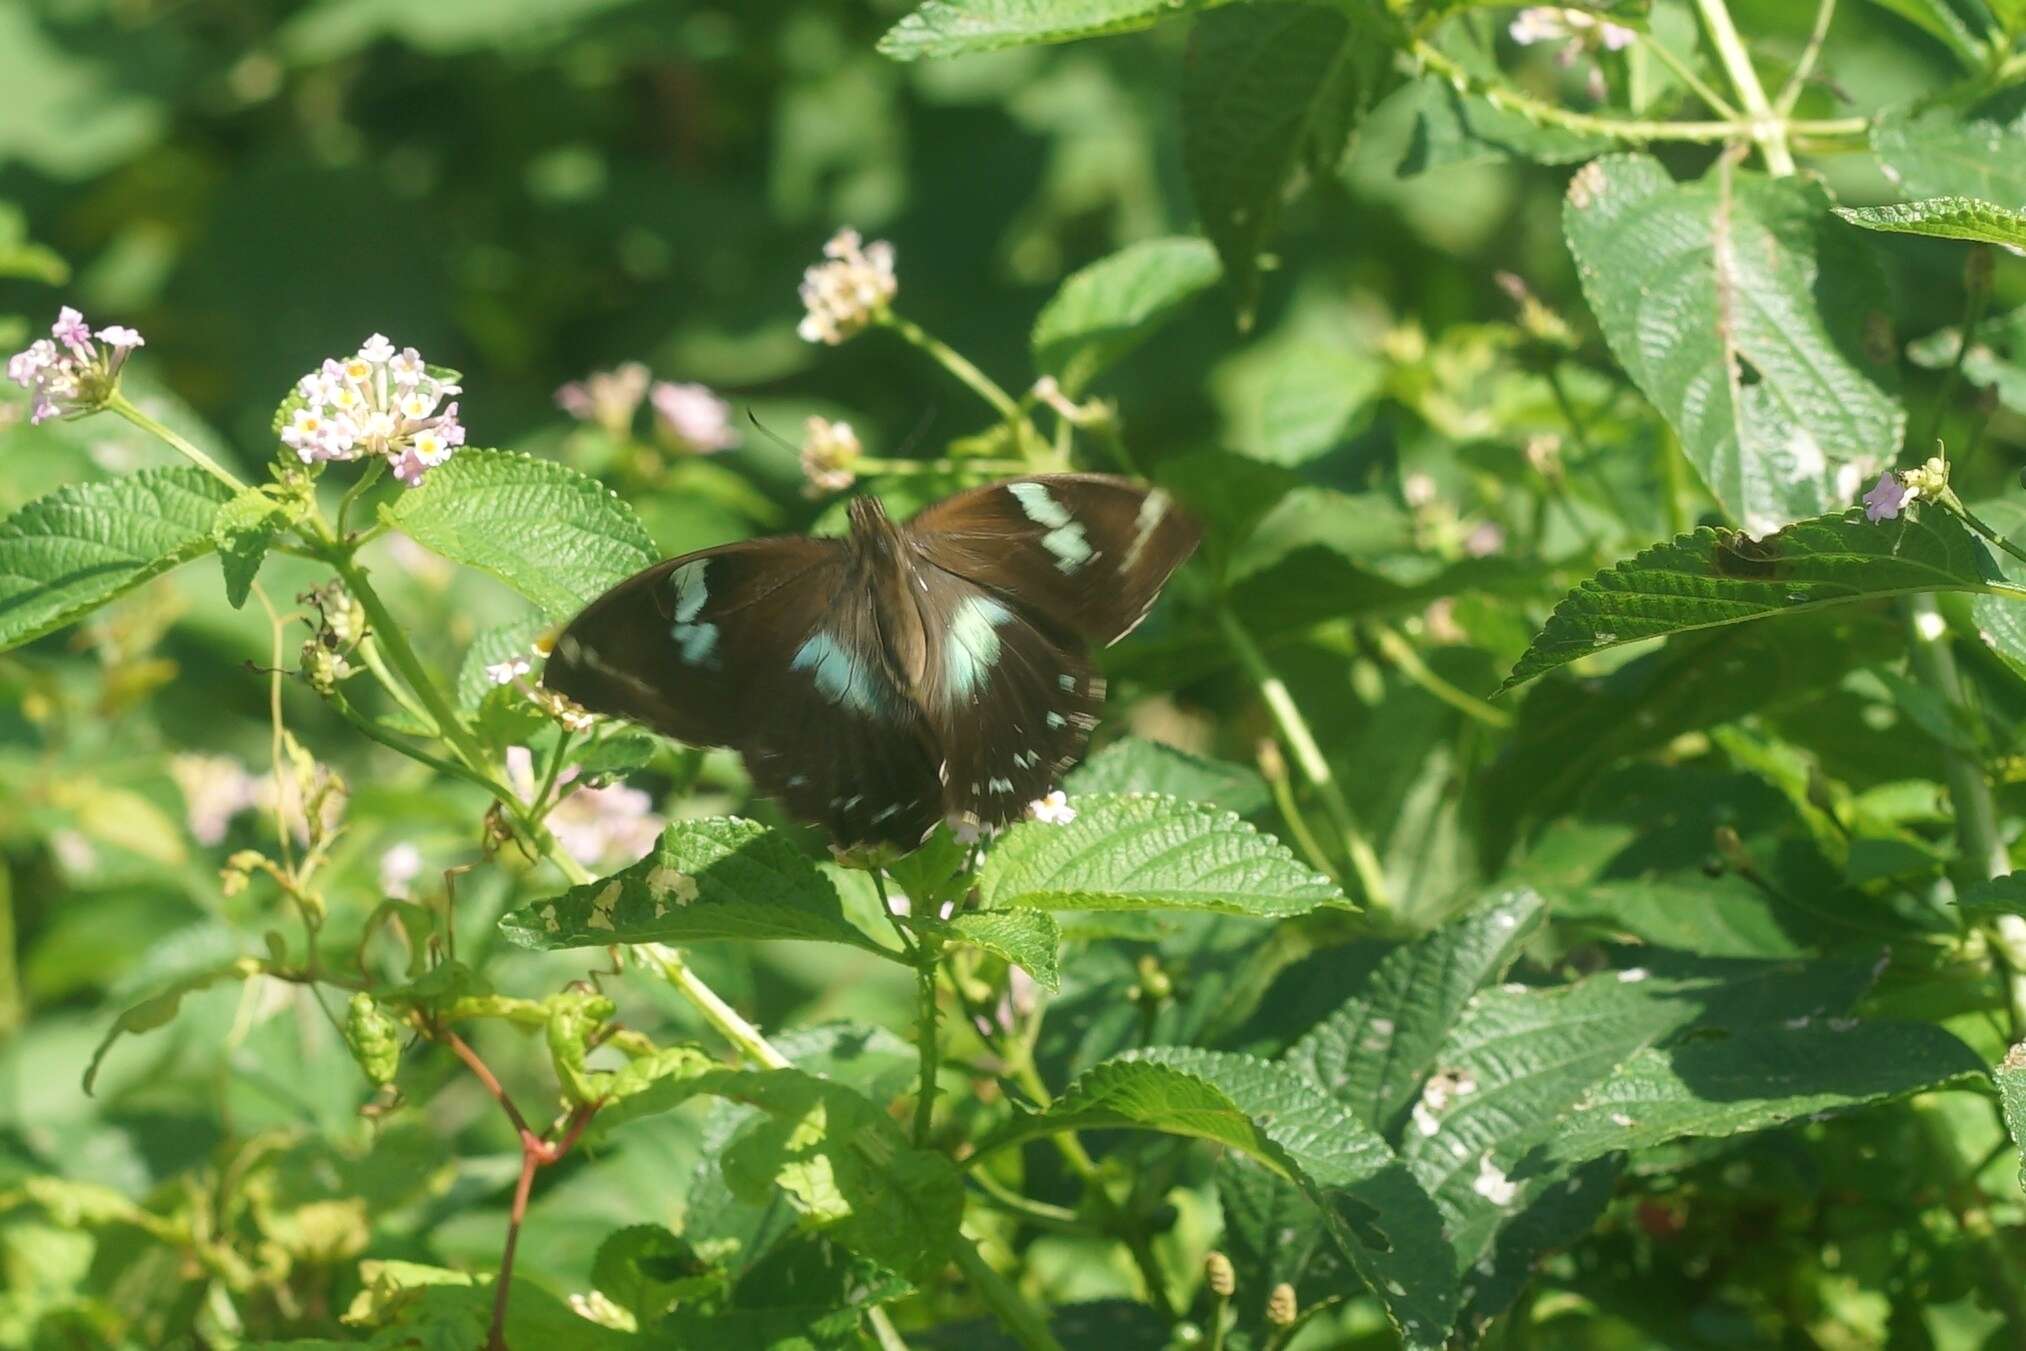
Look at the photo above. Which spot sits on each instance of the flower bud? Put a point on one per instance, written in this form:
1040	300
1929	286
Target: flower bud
373	1038
1281	1308
1219	1276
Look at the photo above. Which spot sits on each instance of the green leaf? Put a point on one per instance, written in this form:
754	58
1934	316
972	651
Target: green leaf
501	643
64	555
1727	916
1026	938
1554	1218
2000	896
1967	218
1103	311
1996	359
1943	151
21	256
2001	619
843	1165
1134	765
243	529
720	878
1939	21
2011	1076
1715	577
1268	89
1375	1214
1453	128
955	27
1273	1233
556	536
158	1010
1744	313
1751	1080
1373	1053
1145	851
644	1268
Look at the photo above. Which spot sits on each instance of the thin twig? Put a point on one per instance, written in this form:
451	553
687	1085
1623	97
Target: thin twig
1803	68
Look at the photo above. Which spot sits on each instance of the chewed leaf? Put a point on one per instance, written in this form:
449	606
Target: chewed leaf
722	878
1715	577
1144	851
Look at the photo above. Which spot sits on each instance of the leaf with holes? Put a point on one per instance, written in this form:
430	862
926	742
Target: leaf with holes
956	27
64	555
719	878
1373	1211
1715	577
556	536
1146	852
1965	218
1104	311
1753	321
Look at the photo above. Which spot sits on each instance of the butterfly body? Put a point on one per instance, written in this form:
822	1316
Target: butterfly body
907	673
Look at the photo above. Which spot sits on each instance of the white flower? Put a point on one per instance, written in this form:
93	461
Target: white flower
503	672
830	450
1552	23
399	866
849	291
215	789
1052	809
378	402
692	417
68	373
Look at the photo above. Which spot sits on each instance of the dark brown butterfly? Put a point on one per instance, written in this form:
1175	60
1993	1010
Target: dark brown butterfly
904	674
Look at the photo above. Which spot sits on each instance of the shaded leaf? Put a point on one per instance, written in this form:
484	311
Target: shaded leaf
2011	1077
2000	896
1453	128
717	878
1741	310
64	555
1941	151
1134	765
1144	851
1103	311
955	27
1714	577
556	536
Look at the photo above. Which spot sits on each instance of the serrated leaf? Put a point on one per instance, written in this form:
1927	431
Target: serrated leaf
1742	311
1103	311
1153	853
842	1164
720	878
559	538
1715	577
243	529
1134	765
1944	151
1026	938
1372	1054
1374	1212
1750	1080
955	27
1965	218
2011	1077
1554	1218
1268	89
1273	1233
64	555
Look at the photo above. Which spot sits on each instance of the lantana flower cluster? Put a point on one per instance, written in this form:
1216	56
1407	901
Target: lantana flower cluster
830	455
1579	33
849	291
379	402
73	371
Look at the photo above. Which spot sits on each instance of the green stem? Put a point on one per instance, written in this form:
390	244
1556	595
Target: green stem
369	653
926	1044
1790	93
1686	74
1976	812
1974	306
1315	767
720	1015
955	363
1275	773
120	404
367	478
1976	523
883	1330
1401	653
1633	130
1022	1319
1767	129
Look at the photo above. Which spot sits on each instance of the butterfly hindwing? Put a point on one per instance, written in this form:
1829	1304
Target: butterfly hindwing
1086	552
1012	701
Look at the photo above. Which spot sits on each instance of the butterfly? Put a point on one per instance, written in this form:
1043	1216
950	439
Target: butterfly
905	674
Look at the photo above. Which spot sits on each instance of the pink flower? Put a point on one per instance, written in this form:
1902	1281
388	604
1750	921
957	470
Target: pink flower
692	417
599	827
1887	498
607	398
77	377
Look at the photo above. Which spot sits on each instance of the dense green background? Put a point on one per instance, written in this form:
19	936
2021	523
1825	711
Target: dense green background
528	191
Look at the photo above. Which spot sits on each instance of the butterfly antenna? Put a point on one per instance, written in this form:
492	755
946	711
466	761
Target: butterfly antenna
772	435
921	429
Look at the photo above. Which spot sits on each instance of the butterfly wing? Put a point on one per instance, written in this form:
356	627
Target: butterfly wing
1012	700
1087	553
769	647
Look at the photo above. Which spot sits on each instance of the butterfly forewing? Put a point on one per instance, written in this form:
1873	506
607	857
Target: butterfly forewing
1088	553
